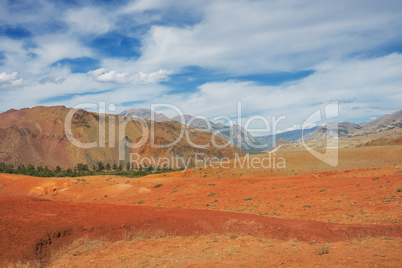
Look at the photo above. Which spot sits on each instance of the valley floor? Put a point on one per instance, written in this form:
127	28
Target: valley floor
199	217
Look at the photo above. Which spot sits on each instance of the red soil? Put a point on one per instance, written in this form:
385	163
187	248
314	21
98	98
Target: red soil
229	251
333	206
30	226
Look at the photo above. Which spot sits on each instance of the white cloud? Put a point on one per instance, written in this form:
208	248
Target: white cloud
9	80
144	5
51	79
52	48
35	93
103	75
373	84
245	37
231	38
150	78
294	127
88	20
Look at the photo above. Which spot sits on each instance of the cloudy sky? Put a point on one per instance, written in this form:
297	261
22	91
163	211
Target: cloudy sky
280	57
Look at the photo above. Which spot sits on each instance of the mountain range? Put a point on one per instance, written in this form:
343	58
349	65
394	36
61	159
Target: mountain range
235	135
37	136
347	129
243	140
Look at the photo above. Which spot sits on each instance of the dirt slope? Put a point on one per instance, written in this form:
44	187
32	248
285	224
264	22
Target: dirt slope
37	136
383	120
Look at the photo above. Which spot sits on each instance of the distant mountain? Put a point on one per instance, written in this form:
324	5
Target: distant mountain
383	120
293	135
194	122
145	114
346	129
235	135
242	139
383	123
333	130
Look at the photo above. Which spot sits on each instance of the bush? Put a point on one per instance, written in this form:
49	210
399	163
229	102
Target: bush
323	249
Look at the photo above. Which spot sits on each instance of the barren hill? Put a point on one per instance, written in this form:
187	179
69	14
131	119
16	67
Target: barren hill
281	141
384	120
341	129
37	136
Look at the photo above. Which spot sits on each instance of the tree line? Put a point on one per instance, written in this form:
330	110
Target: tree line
83	170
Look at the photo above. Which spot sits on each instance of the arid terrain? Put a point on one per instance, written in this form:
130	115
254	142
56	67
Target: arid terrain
154	133
38	136
304	215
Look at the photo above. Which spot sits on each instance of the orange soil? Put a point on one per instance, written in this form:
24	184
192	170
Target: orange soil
349	197
229	251
332	205
301	162
31	227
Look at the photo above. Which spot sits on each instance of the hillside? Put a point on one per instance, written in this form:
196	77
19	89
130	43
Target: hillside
280	141
333	130
347	129
36	136
383	120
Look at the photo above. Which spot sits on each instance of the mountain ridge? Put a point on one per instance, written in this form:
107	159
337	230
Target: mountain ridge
36	136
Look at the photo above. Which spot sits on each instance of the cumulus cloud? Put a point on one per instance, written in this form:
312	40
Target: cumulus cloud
150	78
89	20
271	36
294	127
373	84
103	75
9	80
52	48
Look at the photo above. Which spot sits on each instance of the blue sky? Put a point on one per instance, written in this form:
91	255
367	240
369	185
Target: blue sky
275	57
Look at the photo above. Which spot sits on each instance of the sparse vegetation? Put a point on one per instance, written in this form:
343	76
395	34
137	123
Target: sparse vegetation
323	249
233	236
79	170
211	194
